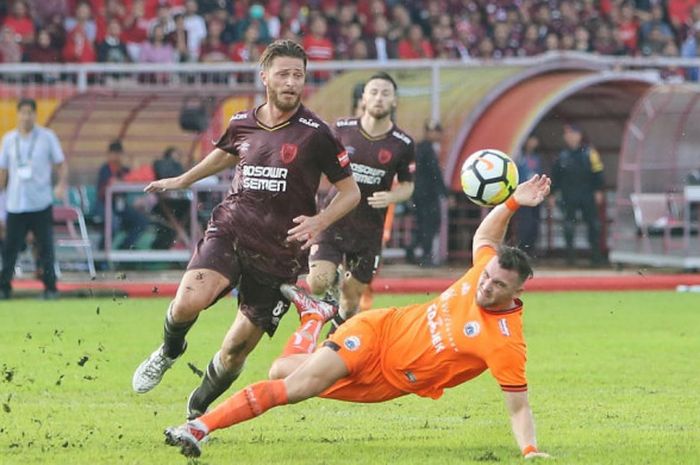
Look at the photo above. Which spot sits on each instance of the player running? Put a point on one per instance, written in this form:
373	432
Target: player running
378	152
475	325
257	237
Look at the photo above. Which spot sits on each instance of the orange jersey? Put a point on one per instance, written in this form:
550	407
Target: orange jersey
436	345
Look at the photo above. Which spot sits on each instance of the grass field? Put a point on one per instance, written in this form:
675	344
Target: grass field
614	379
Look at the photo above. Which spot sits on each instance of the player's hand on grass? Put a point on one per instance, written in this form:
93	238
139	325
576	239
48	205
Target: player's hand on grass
308	227
533	191
165	184
380	199
537	455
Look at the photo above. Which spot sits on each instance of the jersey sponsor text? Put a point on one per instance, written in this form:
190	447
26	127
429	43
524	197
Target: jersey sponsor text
265	178
364	174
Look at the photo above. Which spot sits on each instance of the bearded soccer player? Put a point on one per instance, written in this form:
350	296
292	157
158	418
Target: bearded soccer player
258	236
378	151
378	355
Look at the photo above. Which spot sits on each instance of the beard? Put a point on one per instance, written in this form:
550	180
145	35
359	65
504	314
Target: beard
378	113
283	105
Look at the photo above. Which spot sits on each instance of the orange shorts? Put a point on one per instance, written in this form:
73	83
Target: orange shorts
358	342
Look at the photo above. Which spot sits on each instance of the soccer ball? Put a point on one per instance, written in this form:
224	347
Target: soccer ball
489	177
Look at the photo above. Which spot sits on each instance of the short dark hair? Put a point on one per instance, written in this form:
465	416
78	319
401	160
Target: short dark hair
116	146
282	48
385	77
514	259
26	102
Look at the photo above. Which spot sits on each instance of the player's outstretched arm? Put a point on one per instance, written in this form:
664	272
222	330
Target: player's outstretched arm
492	229
308	227
217	160
522	423
399	193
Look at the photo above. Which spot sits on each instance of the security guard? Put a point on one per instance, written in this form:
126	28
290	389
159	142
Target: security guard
577	175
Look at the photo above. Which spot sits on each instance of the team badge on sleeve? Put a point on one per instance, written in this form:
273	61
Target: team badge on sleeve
343	158
352	343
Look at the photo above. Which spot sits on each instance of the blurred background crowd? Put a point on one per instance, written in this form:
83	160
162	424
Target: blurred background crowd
171	31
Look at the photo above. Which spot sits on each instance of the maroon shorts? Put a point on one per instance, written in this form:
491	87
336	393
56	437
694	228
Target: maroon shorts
362	262
259	296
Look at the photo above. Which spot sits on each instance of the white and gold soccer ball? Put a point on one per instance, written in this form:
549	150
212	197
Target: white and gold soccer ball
489	177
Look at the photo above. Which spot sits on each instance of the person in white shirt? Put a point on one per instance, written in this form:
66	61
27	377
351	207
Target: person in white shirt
28	156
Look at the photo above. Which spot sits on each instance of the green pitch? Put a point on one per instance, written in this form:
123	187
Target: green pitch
614	379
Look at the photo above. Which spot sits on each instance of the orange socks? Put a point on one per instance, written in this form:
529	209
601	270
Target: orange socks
247	403
304	339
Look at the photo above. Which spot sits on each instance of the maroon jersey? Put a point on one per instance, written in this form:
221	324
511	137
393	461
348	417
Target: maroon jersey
276	180
374	161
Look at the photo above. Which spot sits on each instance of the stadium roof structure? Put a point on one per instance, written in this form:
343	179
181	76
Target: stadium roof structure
658	186
499	106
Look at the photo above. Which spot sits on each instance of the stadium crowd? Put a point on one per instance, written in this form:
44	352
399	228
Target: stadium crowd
169	31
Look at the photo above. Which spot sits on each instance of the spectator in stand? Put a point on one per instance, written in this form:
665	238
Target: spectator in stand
178	39
691	49
551	42
82	20
380	47
125	217
56	29
351	34
469	34
605	42
256	14
135	29
247	51
79	45
442	38
530	44
628	27
10	50
230	31
656	20
569	18
359	51
112	9
157	49
655	43
21	23
672	74
163	18
679	12
503	45
112	49
485	49
196	29
318	47
286	20
415	45
44	10
347	15
582	39
43	50
400	22
213	50
542	20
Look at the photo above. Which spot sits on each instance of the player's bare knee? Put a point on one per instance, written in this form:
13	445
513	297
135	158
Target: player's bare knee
318	283
275	371
302	389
